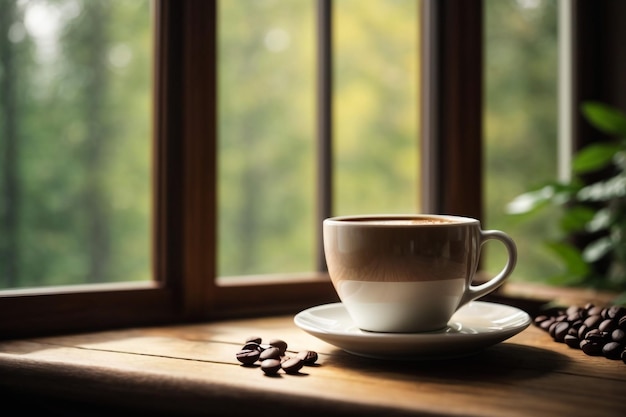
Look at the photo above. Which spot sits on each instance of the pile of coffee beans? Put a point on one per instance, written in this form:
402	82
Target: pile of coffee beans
274	356
597	331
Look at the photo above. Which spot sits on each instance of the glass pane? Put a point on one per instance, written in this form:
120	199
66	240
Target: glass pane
521	118
376	106
266	177
75	139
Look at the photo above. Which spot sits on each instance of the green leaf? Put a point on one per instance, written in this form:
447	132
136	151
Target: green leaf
531	201
614	187
594	157
576	218
605	118
600	221
597	249
550	193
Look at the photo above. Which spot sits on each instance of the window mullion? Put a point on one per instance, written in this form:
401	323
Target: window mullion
324	119
452	107
186	154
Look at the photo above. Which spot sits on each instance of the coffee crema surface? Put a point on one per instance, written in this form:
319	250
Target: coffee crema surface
401	221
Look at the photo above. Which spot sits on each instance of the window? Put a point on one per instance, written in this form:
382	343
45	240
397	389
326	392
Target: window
521	121
185	207
540	67
266	119
266	137
75	142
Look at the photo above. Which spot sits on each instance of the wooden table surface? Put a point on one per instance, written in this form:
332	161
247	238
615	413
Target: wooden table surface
192	370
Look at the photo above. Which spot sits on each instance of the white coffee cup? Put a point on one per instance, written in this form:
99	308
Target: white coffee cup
408	273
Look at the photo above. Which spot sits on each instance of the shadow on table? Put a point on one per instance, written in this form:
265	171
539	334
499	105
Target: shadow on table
500	362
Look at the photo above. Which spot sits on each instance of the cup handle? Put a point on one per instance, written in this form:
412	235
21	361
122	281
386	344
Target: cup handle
476	291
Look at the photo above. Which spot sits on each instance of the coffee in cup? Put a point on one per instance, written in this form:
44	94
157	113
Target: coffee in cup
408	273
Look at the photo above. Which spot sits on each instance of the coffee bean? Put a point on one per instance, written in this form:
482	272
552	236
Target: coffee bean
309	357
618	335
545	325
591	348
573	310
605	313
270	366
252	346
593	321
271	353
280	344
572	318
272	358
576	324
552	328
254	339
607	325
292	365
572	341
616	312
596	330
540	319
612	350
595	311
582	331
595	335
248	356
560	331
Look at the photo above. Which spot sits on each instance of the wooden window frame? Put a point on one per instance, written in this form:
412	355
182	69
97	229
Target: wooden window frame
185	288
451	106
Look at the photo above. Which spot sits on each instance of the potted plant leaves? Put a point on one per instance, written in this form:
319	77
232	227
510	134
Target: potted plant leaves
592	243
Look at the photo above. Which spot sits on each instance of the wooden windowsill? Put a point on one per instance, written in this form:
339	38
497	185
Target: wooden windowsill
192	370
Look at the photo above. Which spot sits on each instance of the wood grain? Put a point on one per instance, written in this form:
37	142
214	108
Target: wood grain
192	369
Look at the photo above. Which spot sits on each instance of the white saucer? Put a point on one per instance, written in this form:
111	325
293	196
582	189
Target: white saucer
473	327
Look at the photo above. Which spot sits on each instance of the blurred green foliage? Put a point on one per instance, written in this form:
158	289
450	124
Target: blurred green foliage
75	128
267	133
75	121
594	209
520	127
